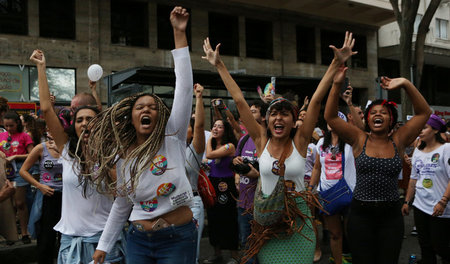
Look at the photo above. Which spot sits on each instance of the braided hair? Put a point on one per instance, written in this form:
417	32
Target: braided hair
112	136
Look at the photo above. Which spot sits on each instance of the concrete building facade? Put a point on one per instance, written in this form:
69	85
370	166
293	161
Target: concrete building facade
435	84
290	28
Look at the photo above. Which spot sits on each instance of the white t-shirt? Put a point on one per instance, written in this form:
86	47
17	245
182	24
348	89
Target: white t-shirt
432	172
294	172
193	161
163	187
80	216
310	158
331	170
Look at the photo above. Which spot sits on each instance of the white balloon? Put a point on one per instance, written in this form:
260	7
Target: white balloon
95	72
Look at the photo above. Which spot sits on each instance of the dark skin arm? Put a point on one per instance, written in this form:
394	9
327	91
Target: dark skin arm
351	134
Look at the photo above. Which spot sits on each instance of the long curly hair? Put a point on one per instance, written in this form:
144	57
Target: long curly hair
228	135
112	136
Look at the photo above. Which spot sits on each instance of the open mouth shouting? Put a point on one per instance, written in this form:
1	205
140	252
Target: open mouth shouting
378	122
146	121
278	128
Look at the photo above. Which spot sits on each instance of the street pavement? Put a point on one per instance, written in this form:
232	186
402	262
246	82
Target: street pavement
20	253
410	246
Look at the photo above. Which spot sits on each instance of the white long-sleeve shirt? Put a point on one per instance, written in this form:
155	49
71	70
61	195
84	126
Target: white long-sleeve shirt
164	187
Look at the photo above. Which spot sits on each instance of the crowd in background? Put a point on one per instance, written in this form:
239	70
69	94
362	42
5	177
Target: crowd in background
122	184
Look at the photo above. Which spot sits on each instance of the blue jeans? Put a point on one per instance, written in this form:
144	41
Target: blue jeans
75	250
174	244
199	214
245	229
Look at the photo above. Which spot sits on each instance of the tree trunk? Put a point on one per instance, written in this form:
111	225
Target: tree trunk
420	39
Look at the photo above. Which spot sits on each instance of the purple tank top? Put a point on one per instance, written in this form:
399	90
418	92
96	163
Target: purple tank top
51	170
220	168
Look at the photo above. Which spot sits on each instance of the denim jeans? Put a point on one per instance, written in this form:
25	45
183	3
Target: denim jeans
199	215
76	250
174	244
245	229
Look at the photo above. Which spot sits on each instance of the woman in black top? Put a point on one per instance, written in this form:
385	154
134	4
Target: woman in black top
375	224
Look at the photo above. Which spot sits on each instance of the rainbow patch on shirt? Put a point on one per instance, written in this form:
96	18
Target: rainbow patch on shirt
165	189
159	165
149	206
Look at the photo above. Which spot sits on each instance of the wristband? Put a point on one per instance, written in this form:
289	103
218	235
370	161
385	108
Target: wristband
227	146
407	203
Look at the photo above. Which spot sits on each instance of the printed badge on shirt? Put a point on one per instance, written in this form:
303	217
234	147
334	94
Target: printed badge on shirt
180	199
333	167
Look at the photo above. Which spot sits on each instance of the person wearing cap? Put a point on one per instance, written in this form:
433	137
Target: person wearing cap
430	187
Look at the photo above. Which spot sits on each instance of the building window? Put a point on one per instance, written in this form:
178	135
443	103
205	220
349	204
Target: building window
327	38
259	38
61	82
306	44
13	17
441	28
224	29
165	31
57	19
360	59
417	23
21	83
129	23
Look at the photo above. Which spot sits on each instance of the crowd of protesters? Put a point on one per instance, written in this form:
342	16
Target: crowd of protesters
122	185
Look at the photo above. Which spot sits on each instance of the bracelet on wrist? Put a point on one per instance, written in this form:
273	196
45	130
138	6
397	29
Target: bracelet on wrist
444	204
444	198
407	202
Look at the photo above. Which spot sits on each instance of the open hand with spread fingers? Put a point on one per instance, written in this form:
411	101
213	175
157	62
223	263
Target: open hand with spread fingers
344	53
211	55
392	84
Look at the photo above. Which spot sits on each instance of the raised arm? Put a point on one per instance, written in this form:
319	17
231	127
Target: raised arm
256	132
349	133
198	140
234	124
303	135
50	117
93	86
217	114
407	133
347	97
182	102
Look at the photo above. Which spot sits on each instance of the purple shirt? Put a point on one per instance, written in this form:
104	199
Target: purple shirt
220	168
247	186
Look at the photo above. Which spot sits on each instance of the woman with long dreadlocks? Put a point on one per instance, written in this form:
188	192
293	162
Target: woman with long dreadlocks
291	238
84	211
147	144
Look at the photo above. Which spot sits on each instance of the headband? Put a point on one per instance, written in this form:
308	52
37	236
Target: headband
437	123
